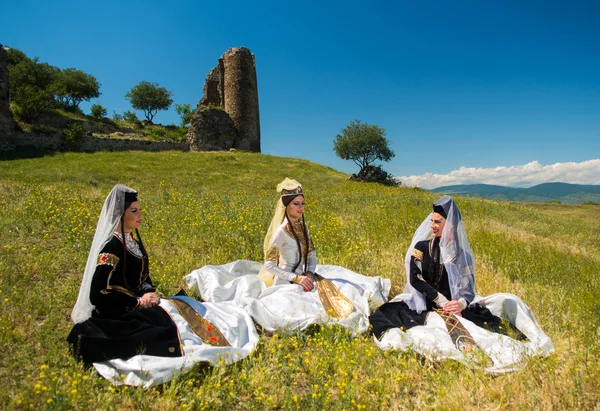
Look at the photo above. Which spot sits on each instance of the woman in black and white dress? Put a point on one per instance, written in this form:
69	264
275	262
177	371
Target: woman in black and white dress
123	327
441	316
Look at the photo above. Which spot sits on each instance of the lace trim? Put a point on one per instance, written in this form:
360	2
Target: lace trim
132	245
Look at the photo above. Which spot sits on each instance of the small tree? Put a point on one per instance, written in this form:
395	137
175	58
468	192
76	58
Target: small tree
185	112
362	143
97	111
74	86
149	98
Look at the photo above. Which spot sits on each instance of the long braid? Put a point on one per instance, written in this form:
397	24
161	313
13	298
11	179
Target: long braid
307	242
124	247
297	242
145	257
435	267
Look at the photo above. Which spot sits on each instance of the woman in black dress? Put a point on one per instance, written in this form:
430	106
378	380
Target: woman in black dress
441	277
124	328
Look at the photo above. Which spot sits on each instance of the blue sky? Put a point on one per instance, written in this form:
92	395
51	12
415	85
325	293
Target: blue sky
473	84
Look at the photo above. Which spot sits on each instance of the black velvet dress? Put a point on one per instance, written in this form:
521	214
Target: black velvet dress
430	280
119	327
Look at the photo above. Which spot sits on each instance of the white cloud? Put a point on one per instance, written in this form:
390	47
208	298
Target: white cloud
586	172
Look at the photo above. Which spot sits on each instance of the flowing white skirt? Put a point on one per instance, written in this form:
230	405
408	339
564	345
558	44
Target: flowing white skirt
147	370
286	307
433	341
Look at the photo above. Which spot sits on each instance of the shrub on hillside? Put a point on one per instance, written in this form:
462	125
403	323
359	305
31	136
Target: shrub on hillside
74	133
375	174
168	133
131	117
98	112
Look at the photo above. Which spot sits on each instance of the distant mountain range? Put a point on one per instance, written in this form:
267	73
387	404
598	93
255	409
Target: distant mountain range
542	193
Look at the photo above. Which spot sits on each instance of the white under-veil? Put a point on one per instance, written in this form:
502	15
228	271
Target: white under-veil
455	253
109	220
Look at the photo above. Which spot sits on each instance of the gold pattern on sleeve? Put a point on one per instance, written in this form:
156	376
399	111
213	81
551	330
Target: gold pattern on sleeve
271	253
418	254
107	259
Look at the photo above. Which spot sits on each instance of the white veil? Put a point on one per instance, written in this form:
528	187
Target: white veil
455	254
279	213
109	220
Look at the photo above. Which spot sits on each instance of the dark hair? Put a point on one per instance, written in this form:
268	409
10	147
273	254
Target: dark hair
436	267
287	199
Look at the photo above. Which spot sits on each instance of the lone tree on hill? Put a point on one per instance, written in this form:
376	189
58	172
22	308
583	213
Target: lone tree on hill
362	143
149	98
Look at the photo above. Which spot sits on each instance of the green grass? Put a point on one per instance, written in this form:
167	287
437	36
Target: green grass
212	208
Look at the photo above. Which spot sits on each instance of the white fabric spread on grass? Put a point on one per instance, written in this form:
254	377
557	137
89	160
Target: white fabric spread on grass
286	307
147	370
433	341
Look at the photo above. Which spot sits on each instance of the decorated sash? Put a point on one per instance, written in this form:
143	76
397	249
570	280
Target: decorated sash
335	303
203	328
463	340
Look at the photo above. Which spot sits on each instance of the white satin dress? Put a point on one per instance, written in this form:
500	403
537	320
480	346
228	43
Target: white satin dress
340	296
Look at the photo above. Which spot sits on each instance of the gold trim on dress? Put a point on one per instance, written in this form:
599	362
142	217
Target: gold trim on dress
298	228
121	290
418	254
464	341
107	259
203	328
336	304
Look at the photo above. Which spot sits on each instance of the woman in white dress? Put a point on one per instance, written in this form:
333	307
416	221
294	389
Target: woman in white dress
440	315
122	326
290	291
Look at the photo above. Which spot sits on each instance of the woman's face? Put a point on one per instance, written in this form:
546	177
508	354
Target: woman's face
132	218
437	224
295	208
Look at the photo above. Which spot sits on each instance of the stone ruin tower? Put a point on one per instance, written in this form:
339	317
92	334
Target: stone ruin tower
231	85
7	123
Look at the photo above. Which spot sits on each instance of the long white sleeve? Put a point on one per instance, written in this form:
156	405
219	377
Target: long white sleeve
312	261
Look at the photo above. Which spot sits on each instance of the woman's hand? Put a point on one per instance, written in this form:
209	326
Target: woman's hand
453	307
149	300
306	283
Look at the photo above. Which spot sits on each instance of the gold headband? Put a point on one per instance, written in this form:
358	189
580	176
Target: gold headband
294	192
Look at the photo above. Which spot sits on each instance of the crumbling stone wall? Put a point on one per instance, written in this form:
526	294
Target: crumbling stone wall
7	123
89	144
232	85
213	87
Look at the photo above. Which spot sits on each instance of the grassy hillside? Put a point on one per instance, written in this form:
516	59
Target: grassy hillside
211	208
